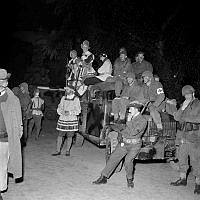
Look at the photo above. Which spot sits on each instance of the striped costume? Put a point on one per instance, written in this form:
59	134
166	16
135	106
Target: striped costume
68	109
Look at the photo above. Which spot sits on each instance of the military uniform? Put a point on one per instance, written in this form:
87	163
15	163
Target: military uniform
128	147
155	93
188	140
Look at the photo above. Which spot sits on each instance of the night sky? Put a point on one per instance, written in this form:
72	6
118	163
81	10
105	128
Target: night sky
146	16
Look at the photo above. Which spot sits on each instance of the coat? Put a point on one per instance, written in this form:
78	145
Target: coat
11	110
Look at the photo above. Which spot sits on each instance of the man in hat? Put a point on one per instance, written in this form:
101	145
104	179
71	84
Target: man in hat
68	110
129	146
26	103
37	113
132	92
188	138
11	131
140	65
154	92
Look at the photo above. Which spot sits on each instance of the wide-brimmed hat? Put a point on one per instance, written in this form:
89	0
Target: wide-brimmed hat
147	74
4	75
85	44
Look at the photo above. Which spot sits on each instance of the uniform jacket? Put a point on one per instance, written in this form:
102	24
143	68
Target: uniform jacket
190	114
11	110
139	68
154	92
122	67
134	128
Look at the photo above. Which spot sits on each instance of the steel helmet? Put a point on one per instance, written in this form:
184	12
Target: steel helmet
147	74
187	89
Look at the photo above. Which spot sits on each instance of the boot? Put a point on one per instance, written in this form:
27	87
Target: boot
100	180
179	182
197	189
130	183
58	146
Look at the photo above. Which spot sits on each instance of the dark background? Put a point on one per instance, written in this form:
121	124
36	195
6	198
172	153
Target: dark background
37	35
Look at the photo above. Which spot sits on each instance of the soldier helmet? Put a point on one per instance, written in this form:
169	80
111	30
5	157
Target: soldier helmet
122	51
147	74
85	44
187	89
131	75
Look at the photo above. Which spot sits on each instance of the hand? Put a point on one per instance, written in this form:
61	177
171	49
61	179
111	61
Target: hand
66	113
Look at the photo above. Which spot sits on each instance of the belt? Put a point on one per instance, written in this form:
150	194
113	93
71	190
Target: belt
131	141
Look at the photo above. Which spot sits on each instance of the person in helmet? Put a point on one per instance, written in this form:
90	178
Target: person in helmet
37	113
153	91
188	139
141	65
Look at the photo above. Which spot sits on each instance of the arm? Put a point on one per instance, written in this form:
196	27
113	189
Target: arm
60	107
159	100
89	60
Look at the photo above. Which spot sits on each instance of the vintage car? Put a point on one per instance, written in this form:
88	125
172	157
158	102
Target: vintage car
96	126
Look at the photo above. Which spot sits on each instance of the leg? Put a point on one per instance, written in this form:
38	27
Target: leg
123	106
30	126
37	119
115	108
59	143
156	117
25	132
118	86
183	165
111	165
133	151
68	142
4	157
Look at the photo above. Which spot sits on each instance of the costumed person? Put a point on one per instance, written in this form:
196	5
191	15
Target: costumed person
141	65
188	138
122	66
68	109
153	92
129	145
11	131
37	113
26	103
132	92
104	71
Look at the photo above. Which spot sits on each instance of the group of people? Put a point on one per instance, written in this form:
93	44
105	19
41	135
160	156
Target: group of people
134	84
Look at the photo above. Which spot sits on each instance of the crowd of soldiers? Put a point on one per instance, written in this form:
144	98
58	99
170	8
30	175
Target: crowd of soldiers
134	84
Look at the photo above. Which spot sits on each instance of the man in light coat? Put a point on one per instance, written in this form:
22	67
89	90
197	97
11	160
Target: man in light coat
11	130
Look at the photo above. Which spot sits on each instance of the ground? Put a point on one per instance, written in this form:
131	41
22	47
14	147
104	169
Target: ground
70	178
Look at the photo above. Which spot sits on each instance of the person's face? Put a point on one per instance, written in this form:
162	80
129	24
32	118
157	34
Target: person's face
122	57
189	97
3	85
85	48
22	89
73	55
132	112
102	58
37	94
146	79
139	58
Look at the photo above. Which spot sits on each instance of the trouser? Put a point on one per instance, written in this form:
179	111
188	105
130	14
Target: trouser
4	157
25	131
35	121
119	106
129	151
64	141
192	150
111	83
154	112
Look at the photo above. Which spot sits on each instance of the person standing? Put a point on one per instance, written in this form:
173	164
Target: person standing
68	109
26	103
37	113
129	146
11	130
188	139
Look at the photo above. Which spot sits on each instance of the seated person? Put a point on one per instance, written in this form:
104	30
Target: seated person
132	92
104	71
153	91
122	66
